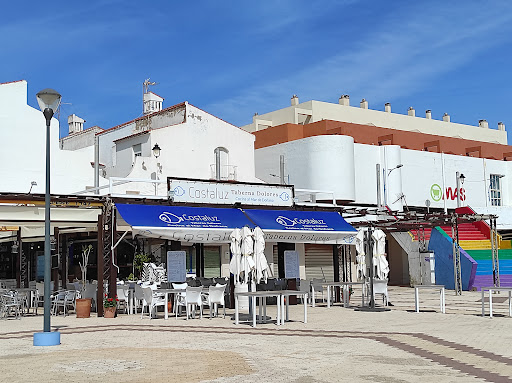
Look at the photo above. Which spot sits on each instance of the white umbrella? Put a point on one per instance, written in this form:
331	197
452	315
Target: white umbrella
361	255
260	260
247	249
236	242
379	254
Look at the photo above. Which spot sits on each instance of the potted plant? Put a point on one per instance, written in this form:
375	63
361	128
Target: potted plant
83	305
139	260
109	306
350	292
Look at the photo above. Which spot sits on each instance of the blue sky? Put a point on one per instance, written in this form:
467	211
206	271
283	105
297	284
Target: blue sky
235	58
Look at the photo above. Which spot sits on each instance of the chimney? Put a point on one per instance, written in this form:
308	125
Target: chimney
501	126
344	100
295	100
483	124
446	117
411	112
387	107
363	104
76	124
428	114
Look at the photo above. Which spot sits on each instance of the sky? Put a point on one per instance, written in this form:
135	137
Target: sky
236	58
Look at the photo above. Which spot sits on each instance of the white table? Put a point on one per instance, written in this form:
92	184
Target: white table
417	288
167	292
288	293
491	290
346	295
259	294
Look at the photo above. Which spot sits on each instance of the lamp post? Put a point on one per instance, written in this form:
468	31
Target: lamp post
48	100
156	152
460	180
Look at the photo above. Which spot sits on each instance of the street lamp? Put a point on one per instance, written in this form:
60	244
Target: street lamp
156	151
396	167
48	100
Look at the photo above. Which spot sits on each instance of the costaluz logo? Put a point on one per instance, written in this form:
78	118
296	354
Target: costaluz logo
171	218
290	222
179	191
284	196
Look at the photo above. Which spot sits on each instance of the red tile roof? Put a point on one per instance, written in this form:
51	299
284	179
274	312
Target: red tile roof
10	82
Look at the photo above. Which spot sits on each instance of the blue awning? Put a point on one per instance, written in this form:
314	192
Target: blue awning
303	226
180	223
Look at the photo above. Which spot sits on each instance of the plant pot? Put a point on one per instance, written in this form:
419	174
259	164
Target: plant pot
83	307
109	312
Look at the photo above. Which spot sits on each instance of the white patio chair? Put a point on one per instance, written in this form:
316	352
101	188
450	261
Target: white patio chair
139	296
317	288
305	286
64	299
9	303
122	296
180	297
90	292
214	298
380	287
193	299
151	302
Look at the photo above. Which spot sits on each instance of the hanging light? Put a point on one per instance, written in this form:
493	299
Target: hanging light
15	247
156	150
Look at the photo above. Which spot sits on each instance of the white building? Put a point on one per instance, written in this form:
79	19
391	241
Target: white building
23	132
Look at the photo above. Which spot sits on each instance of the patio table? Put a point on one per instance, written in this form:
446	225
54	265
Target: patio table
288	293
167	292
491	289
345	286
259	294
434	287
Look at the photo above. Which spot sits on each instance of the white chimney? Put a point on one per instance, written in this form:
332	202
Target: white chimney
501	126
483	124
387	107
428	114
344	100
411	112
76	124
363	104
295	100
152	102
446	117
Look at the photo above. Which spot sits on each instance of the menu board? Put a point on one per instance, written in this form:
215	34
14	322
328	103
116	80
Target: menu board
291	264
176	266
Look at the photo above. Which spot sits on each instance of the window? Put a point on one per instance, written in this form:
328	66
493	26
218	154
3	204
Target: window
137	150
495	189
221	163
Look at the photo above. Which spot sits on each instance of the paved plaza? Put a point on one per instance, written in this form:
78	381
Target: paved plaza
336	345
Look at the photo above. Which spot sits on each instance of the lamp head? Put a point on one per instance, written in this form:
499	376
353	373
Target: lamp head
462	177
156	150
48	99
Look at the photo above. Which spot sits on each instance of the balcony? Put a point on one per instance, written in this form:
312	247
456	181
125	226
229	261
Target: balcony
227	172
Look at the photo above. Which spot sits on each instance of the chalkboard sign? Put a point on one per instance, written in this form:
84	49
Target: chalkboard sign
176	266
291	264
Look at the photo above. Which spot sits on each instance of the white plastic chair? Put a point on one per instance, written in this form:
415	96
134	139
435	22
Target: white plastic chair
151	301
305	286
64	299
215	297
180	297
381	287
90	292
193	299
9	302
317	288
122	296
139	296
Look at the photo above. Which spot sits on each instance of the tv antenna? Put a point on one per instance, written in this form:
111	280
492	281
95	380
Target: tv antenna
146	84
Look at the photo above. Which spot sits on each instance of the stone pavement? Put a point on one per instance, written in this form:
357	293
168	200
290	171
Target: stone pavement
336	345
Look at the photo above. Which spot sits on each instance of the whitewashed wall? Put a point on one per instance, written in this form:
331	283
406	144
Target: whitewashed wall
23	134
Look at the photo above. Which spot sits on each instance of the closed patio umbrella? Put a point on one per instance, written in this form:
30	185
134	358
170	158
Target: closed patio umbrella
261	265
247	249
379	254
361	255
235	263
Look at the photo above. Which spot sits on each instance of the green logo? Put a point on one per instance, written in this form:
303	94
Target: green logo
436	192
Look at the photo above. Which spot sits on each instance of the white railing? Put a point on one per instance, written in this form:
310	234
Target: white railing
227	172
309	197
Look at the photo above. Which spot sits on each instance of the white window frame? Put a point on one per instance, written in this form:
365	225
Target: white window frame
495	192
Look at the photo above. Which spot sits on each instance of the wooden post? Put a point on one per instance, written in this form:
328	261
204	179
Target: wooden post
64	261
112	283
99	273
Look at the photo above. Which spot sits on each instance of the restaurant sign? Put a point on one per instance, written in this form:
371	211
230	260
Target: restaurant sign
228	193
